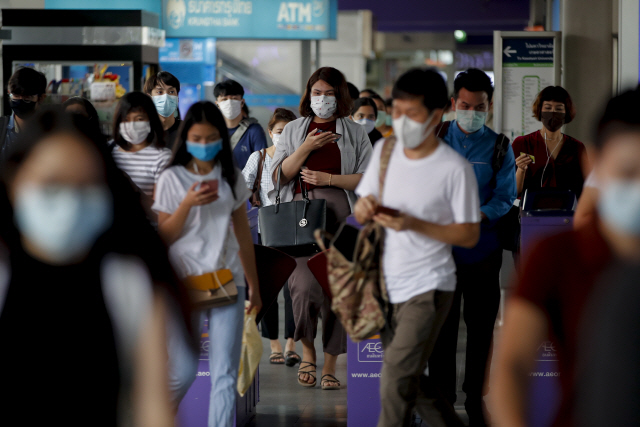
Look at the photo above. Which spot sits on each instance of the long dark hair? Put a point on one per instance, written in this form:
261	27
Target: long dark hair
206	112
130	234
138	101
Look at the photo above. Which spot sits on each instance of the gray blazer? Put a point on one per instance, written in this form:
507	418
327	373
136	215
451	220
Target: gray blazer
355	152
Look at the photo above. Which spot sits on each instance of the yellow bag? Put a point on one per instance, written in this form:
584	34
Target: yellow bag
251	352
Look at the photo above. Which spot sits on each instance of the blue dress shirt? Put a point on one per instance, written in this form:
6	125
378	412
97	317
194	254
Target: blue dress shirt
496	201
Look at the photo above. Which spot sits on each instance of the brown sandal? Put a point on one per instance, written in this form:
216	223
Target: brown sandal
275	356
331	379
308	372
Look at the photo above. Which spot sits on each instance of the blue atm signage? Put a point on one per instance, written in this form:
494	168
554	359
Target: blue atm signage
534	52
251	19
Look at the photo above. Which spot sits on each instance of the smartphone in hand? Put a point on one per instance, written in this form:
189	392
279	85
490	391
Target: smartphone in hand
387	211
338	136
211	186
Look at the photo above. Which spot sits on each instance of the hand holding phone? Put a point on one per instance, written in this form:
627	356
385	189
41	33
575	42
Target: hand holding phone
210	186
387	211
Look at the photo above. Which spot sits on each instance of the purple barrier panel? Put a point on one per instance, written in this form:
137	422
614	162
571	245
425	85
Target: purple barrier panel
535	228
544	385
194	408
364	363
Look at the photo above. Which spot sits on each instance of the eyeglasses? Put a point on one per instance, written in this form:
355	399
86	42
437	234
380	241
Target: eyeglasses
28	98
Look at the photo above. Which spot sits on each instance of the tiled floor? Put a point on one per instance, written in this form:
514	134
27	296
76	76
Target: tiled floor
284	403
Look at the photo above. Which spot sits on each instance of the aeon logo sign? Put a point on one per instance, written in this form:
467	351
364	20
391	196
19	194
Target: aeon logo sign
176	12
370	351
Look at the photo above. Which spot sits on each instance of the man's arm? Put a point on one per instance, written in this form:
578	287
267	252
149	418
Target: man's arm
505	192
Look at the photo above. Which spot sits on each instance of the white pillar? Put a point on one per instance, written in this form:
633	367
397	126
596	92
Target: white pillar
587	60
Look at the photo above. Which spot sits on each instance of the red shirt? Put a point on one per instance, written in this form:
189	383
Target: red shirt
559	277
326	159
564	172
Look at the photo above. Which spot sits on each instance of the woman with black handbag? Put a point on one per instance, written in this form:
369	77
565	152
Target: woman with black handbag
256	176
323	155
202	215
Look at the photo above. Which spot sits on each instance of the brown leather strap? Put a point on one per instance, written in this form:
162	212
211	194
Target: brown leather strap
256	183
385	156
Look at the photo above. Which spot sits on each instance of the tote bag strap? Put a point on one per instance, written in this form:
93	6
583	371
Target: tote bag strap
385	156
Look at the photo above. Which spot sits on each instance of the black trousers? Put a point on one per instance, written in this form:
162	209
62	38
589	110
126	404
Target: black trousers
271	319
479	284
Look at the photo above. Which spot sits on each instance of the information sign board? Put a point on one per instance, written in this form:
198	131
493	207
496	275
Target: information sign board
525	63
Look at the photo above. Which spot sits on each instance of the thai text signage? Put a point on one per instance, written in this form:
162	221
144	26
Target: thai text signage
251	19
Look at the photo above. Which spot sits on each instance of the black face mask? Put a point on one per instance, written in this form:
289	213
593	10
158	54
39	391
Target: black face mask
22	109
552	120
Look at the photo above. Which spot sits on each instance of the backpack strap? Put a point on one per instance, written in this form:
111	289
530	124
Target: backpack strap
385	156
500	150
442	129
242	128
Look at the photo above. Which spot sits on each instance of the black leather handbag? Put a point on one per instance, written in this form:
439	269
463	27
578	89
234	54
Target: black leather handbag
290	226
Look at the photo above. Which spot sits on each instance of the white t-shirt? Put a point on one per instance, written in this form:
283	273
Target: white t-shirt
197	251
440	188
143	167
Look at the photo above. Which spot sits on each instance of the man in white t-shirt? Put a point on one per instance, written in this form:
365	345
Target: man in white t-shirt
435	193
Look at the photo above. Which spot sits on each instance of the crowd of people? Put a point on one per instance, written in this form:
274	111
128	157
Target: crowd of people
102	237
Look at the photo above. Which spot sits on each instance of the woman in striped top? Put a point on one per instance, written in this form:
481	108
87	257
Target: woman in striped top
269	323
139	146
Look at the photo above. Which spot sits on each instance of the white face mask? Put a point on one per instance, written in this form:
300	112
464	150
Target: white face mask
411	133
470	120
369	125
276	138
135	132
63	222
324	106
231	108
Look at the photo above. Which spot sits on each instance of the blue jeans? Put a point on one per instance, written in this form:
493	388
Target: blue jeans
225	337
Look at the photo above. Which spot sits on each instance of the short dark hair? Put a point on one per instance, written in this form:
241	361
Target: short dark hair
227	88
473	80
370	93
27	82
426	84
281	115
557	94
163	77
354	93
620	116
362	102
138	101
335	79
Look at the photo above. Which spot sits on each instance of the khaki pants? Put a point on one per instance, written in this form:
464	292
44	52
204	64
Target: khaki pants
408	340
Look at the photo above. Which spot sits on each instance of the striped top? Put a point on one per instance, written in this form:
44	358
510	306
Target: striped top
143	167
250	172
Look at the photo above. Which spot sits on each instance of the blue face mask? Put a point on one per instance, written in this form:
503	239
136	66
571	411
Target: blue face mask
619	206
165	104
63	222
205	152
471	120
